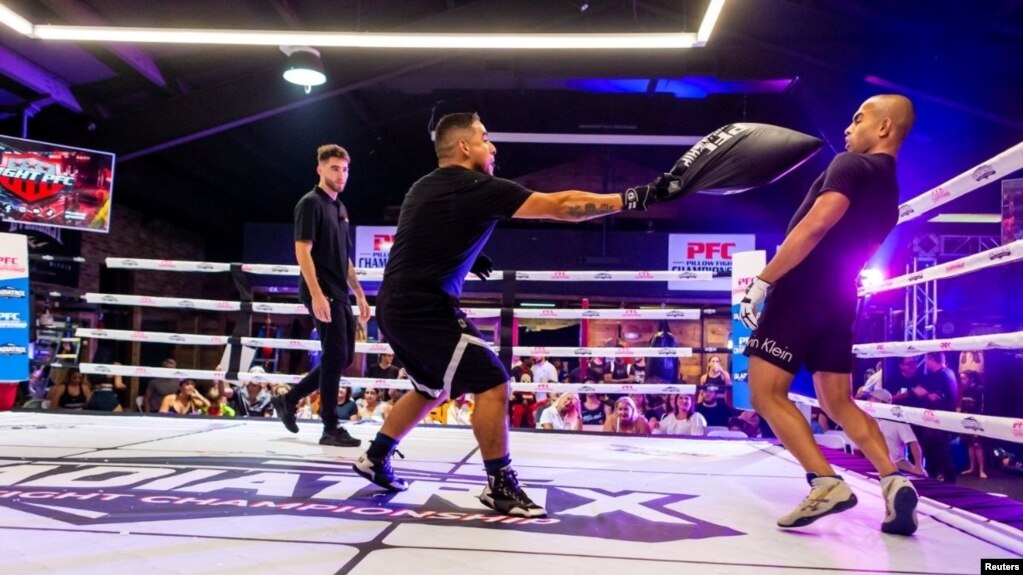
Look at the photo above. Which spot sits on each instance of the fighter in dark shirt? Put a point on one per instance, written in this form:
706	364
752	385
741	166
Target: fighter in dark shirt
810	291
445	220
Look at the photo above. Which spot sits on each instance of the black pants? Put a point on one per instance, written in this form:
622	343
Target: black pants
337	339
937	448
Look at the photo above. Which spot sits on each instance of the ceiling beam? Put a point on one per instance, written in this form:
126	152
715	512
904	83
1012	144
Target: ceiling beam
138	59
32	76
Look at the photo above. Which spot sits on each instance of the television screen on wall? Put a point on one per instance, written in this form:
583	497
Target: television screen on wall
54	185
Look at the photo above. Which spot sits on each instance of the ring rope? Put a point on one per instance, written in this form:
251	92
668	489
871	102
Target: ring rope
1005	428
376	274
1009	253
1001	165
1013	340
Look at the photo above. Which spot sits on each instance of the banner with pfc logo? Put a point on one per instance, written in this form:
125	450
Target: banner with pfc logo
745	267
706	252
14	313
373	246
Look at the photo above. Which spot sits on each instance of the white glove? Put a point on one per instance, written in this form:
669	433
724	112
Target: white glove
749	307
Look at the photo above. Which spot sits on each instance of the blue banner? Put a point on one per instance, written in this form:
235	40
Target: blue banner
14	312
745	266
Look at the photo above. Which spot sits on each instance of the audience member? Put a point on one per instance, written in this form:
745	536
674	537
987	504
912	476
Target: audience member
682	418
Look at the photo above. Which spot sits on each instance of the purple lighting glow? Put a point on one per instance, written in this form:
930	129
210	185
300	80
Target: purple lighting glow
688	87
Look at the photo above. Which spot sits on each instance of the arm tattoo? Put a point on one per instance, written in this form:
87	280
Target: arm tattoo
590	210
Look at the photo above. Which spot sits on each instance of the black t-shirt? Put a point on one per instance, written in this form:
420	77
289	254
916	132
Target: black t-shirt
716	416
446	219
869	182
324	222
943	383
376	372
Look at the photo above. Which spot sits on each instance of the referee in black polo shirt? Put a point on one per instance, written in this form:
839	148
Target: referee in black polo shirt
322	248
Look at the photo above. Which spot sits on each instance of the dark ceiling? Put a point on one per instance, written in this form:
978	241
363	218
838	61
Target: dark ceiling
211	137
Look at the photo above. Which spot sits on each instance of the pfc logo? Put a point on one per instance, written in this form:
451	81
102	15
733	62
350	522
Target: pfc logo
708	250
383	242
31	177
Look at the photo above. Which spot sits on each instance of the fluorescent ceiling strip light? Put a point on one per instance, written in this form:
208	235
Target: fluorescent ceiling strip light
598	139
370	40
16	22
661	41
709	20
966	219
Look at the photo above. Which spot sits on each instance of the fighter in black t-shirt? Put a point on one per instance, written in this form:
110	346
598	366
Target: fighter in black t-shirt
445	220
810	288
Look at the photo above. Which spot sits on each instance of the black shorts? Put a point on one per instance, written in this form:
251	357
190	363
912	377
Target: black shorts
442	350
800	329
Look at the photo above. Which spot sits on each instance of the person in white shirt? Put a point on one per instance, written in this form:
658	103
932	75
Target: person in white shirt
681	419
460	410
543	372
898	436
564	413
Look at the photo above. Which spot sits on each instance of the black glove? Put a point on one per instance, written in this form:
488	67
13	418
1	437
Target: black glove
640	198
482	267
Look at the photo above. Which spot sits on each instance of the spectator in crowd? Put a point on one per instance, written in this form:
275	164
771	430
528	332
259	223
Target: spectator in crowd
160	387
543	372
586	371
899	436
972	390
561	366
713	408
72	393
384	368
255	400
563	414
104	395
187	401
716	375
874	380
682	418
523	403
459	411
370	408
626	419
346	406
645	409
619	371
907	378
593	410
936	391
219	404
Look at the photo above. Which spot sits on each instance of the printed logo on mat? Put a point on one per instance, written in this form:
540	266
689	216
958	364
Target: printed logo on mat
137	491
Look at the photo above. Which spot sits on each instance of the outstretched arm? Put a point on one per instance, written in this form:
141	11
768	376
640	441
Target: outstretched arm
569	206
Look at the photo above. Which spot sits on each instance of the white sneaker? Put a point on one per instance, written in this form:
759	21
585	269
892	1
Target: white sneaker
900	499
827	495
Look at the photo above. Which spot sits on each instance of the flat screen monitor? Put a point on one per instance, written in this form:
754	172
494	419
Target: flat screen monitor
55	185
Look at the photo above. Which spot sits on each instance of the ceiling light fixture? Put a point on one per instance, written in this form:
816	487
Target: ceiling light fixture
304	67
16	22
966	219
660	41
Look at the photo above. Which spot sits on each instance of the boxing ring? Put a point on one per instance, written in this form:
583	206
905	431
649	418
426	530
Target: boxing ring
82	494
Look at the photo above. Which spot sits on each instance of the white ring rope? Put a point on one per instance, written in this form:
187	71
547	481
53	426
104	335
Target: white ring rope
999	166
473	313
1005	428
375	274
1009	253
1013	340
285	379
368	347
